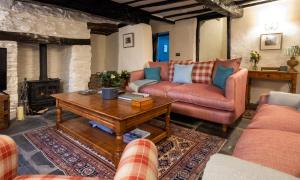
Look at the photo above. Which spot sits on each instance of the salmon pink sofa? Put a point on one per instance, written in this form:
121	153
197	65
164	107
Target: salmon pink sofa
272	139
202	101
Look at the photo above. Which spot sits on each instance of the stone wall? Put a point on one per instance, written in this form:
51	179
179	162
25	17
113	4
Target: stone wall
79	63
69	63
12	73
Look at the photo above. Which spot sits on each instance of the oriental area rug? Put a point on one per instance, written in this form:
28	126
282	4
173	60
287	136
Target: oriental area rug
182	156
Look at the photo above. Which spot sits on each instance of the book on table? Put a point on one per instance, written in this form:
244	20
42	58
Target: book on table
127	137
132	96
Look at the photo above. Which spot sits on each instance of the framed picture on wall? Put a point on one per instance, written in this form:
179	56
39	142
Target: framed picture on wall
128	40
271	41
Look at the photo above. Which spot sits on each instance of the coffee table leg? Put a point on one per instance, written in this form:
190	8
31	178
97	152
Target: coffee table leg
119	137
168	118
58	114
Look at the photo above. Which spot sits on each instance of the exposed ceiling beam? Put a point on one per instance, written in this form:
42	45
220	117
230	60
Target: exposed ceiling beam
131	2
256	3
161	3
212	15
205	10
226	10
102	28
176	8
105	8
40	39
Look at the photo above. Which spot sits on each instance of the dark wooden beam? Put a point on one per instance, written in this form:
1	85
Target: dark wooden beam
40	39
105	8
207	16
228	37
102	28
197	40
256	3
176	8
161	3
162	19
221	8
205	10
133	1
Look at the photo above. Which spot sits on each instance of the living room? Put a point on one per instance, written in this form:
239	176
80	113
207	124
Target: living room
208	89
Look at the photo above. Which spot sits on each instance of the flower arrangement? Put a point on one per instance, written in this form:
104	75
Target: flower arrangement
293	51
254	57
113	78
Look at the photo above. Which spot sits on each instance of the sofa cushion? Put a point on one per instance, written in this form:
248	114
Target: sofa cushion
202	72
229	63
152	73
277	118
183	73
171	66
202	95
158	89
164	66
221	76
272	148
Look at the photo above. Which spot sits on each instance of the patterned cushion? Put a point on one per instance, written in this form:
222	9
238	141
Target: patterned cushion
171	67
139	161
54	177
202	72
8	158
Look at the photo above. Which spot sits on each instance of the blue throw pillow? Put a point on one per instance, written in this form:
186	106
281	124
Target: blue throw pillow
152	73
221	76
183	73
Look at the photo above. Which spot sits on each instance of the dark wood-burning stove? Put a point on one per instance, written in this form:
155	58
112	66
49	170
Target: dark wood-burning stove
39	91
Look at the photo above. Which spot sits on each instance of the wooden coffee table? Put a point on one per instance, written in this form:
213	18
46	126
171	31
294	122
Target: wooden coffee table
118	115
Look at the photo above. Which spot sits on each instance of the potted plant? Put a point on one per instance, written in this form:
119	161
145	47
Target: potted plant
254	58
124	77
293	52
111	82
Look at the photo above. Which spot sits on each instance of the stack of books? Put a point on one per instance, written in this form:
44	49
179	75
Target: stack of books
135	134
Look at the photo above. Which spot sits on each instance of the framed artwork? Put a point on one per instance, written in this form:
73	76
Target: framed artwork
128	40
271	41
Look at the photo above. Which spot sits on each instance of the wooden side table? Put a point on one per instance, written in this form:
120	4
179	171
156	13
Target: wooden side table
4	110
290	77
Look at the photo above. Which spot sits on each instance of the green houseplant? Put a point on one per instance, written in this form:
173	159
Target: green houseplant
111	81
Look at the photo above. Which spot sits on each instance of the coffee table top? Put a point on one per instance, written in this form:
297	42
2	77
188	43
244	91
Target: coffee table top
117	109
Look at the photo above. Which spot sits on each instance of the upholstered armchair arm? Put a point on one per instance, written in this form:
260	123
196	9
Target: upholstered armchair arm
8	158
224	167
236	90
136	75
138	161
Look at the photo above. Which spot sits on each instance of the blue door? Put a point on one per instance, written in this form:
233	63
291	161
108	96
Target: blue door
163	47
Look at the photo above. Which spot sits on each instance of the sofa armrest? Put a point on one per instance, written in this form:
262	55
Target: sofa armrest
224	167
139	161
8	158
136	75
236	90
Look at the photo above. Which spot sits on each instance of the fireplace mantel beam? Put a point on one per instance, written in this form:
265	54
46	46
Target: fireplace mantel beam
40	39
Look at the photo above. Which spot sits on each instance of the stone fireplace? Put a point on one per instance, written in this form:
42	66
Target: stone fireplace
69	63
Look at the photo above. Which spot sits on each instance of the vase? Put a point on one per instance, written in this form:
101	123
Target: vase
292	63
254	67
109	93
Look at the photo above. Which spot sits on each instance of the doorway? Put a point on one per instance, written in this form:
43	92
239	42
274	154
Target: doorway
163	47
